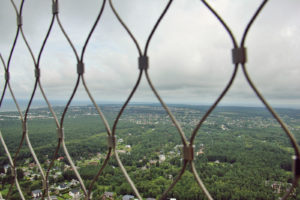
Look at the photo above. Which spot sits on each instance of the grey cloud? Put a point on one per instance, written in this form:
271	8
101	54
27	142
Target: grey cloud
190	54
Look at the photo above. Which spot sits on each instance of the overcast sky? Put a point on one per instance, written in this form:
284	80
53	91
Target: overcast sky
190	54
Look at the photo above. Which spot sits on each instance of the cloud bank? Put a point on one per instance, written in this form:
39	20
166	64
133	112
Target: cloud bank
190	54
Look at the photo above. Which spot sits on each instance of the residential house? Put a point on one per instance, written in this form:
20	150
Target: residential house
121	151
127	197
27	173
162	158
120	140
31	165
75	193
36	193
60	158
107	196
94	163
6	167
74	182
62	186
217	161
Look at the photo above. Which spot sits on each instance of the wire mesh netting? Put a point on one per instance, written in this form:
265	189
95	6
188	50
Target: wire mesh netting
239	59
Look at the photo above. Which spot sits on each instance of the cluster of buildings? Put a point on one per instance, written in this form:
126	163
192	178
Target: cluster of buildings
31	173
279	187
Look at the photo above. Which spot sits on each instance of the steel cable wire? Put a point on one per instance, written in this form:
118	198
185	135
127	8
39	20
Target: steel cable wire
6	69
125	104
269	108
184	141
108	132
11	52
59	140
133	90
7	77
36	85
177	125
258	94
145	68
24	135
2	139
12	165
283	126
198	179
114	133
11	91
45	189
80	64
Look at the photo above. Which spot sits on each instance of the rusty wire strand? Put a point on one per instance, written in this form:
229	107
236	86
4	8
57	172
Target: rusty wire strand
177	125
175	122
108	132
251	22
196	129
164	195
269	108
156	25
92	30
2	139
57	125
125	27
10	54
18	14
80	60
13	168
222	22
105	162
11	92
65	34
274	114
113	134
37	83
199	181
283	126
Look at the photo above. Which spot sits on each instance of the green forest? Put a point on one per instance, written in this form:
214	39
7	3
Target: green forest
240	153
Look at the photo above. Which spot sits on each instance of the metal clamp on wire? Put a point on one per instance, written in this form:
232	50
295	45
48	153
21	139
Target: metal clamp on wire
6	75
296	166
143	62
55	7
60	133
37	72
188	153
80	68
19	20
239	55
111	141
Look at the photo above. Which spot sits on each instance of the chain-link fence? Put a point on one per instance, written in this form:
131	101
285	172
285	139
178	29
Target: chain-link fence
239	59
